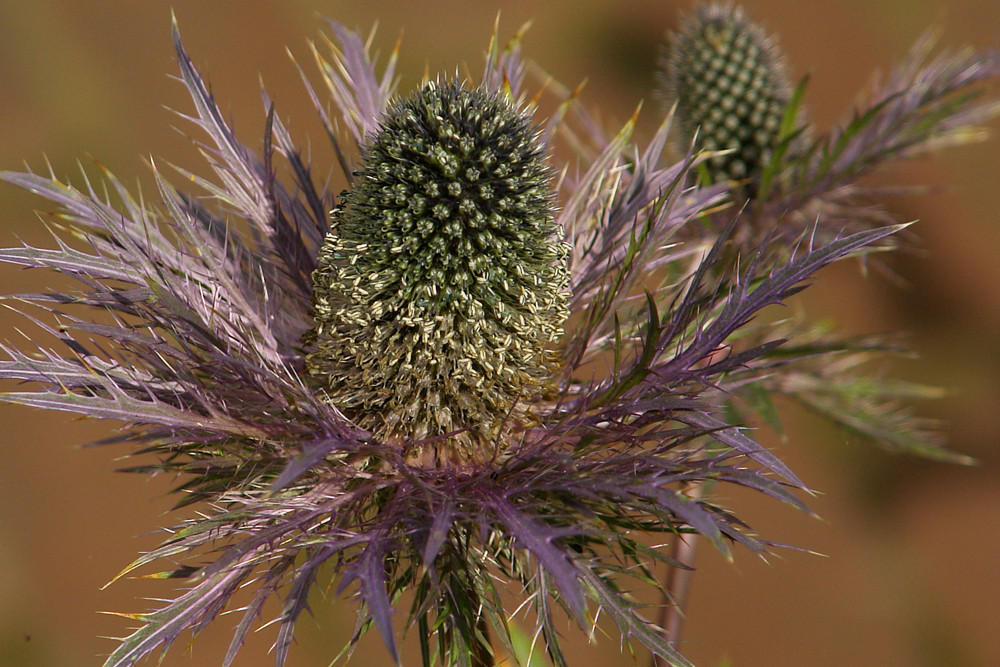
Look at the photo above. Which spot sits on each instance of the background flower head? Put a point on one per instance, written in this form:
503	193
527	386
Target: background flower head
726	75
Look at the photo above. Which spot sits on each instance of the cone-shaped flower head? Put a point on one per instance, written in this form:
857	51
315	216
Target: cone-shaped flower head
444	280
726	76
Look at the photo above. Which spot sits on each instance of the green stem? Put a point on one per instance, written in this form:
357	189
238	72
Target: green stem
482	655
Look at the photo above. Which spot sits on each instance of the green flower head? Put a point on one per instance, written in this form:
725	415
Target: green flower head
727	78
444	278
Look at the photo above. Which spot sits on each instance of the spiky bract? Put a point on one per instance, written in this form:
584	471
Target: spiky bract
444	278
727	79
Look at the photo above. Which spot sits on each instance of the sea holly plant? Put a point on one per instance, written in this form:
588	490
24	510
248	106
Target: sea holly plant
481	390
730	86
725	78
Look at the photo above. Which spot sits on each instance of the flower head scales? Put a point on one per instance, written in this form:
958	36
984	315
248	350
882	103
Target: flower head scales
728	79
443	283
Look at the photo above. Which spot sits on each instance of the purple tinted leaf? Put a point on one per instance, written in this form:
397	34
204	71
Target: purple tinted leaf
297	600
70	261
122	407
317	201
924	103
312	453
437	535
360	96
504	71
537	538
752	479
252	612
630	624
161	628
689	511
369	570
733	437
236	165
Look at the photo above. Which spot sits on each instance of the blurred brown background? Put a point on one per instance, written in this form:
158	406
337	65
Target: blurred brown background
909	574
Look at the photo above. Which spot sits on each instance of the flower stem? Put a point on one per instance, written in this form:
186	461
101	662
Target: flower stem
678	583
482	656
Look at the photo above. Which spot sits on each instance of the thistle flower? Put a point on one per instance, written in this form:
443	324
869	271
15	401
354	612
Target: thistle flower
808	182
444	277
320	392
727	78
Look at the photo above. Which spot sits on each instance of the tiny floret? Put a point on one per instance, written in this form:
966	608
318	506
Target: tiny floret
443	282
726	76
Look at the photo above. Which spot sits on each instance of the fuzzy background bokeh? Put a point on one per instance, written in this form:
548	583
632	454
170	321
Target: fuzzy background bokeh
908	574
